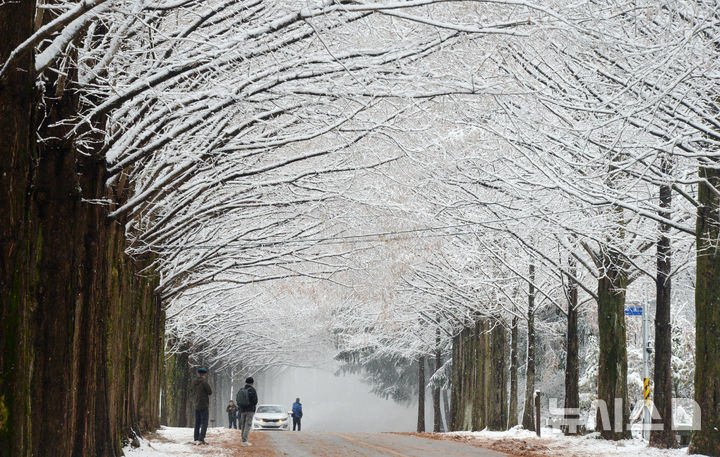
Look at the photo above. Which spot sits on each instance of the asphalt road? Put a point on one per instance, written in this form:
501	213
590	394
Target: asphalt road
327	444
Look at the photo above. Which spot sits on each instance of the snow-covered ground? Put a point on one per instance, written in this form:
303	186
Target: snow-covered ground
174	442
553	443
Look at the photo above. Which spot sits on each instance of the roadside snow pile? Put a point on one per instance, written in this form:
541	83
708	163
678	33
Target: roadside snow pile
523	442
174	442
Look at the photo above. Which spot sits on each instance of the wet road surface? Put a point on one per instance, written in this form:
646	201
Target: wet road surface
328	444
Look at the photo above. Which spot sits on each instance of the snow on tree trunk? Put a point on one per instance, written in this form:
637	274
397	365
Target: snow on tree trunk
707	314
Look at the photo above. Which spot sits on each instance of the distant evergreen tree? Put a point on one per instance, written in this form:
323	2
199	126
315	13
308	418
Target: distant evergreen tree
391	376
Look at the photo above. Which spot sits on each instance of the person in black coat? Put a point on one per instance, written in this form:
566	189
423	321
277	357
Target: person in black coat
201	392
247	400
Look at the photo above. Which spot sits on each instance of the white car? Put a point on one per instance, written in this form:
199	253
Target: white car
270	417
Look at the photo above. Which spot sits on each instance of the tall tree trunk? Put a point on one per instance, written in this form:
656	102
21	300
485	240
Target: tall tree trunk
446	409
465	383
496	413
69	274
513	407
17	135
707	315
421	395
612	367
662	397
178	381
480	364
572	361
455	421
82	335
437	414
105	383
528	420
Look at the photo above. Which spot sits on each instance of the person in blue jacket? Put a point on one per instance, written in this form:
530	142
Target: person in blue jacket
297	414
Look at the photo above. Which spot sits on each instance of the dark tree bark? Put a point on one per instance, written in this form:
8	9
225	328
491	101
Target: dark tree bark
496	414
612	367
470	380
662	397
105	384
456	385
707	315
480	367
513	407
82	335
17	136
69	270
437	414
528	419
463	380
177	385
479	378
421	395
572	361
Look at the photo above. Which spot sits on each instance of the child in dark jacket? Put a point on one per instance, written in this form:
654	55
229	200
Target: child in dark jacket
232	414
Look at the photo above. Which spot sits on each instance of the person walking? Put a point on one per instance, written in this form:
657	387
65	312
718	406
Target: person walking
201	392
232	414
297	414
247	400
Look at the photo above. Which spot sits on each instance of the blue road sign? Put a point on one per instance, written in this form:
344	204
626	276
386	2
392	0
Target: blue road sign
633	310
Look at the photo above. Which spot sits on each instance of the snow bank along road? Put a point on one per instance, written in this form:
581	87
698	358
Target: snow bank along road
172	442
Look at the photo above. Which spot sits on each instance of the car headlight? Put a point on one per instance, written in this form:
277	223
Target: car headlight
283	420
259	420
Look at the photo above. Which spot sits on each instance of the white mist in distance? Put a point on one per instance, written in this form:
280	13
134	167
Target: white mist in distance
336	403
